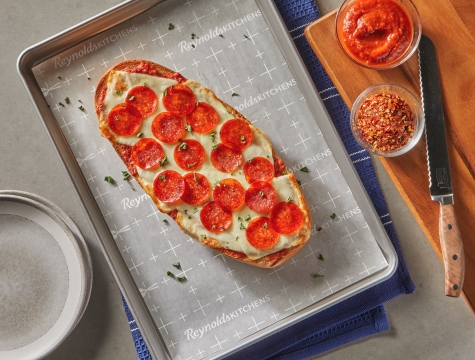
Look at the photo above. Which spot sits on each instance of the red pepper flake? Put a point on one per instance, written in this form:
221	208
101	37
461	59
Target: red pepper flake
385	121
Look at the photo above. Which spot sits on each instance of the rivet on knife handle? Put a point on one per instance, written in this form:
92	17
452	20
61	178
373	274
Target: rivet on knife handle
452	251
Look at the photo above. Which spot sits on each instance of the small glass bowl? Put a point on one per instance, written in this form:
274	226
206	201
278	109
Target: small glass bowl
405	95
416	35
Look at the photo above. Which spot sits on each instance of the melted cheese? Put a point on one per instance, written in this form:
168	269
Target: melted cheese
233	238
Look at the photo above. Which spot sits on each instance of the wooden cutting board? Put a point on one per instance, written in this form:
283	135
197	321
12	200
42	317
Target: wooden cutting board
455	48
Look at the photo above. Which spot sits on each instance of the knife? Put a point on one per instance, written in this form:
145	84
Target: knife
439	169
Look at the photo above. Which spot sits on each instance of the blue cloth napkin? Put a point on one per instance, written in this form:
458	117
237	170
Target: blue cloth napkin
362	314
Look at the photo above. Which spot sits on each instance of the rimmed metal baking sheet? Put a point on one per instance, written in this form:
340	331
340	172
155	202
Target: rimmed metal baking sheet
77	35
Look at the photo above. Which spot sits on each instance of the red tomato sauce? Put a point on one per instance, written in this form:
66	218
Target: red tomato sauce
376	32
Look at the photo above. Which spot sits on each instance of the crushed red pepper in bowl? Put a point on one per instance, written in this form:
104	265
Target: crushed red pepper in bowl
387	120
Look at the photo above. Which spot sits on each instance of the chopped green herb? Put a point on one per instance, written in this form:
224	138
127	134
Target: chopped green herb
213	227
250	160
247	37
299	182
319	228
243	139
59	77
163	178
131	98
177	265
304	169
195	210
237	237
169	273
165	92
191	165
181	279
188	128
81	108
126	175
216	183
182	146
235	94
221	35
242	227
317	275
166	221
60	103
119	92
261	193
80	101
109	179
139	135
212	136
265	226
285	172
193	35
214	147
204	236
289	199
89	78
67	100
268	156
247	218
185	211
193	46
232	174
163	161
189	217
239	218
333	216
194	177
229	112
144	84
320	257
170	26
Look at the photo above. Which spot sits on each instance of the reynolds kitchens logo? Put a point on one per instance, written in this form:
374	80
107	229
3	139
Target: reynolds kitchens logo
224	318
59	61
217	31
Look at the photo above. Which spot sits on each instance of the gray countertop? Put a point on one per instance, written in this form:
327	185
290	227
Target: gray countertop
424	325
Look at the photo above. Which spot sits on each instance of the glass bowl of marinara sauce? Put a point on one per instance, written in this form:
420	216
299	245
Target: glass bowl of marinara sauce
378	34
387	120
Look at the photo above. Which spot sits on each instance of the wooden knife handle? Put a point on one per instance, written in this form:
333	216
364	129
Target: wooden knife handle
452	251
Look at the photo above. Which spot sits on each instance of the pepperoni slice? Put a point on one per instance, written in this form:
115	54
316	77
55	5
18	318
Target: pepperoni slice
189	155
168	186
179	99
203	119
147	153
197	189
229	194
144	99
168	127
286	217
260	234
261	196
225	159
258	169
236	134
214	218
124	119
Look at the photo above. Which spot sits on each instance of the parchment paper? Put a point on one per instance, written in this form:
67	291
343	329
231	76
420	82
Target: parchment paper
223	301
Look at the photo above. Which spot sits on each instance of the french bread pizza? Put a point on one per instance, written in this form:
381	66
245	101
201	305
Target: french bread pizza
202	163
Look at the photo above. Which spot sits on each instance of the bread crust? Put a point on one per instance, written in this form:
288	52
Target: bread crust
124	152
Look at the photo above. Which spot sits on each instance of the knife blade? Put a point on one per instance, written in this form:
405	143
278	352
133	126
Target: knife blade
439	168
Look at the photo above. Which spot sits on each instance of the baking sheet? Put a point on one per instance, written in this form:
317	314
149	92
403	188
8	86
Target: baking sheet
223	301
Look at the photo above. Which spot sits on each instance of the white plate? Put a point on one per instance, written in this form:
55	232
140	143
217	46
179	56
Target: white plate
45	278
